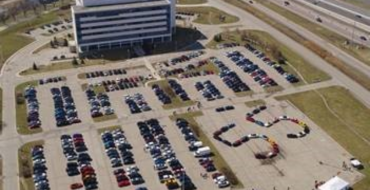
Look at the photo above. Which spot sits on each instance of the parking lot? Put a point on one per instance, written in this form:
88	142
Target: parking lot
297	165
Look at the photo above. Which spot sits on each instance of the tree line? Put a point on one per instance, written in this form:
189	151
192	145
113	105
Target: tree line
25	8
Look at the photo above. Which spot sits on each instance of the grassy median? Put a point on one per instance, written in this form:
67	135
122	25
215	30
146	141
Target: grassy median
255	103
105	118
189	2
110	128
264	42
25	165
348	70
21	110
176	101
218	159
62	65
348	125
209	15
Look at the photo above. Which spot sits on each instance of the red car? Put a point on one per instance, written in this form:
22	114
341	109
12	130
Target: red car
87	168
123	180
76	186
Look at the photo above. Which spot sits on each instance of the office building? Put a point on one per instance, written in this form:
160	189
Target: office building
106	24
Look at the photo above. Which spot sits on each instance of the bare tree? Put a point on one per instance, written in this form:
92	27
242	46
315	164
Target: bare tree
34	8
245	35
13	12
276	53
44	4
254	39
24	6
4	16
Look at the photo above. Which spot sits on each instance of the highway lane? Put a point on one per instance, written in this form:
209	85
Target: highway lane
334	22
345	9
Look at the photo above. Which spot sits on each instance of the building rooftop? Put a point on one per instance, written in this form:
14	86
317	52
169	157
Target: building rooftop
81	9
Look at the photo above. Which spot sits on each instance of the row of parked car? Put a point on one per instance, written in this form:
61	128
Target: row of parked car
33	116
186	57
229	77
99	104
105	73
196	74
118	149
79	161
303	133
65	109
288	76
227	45
169	169
161	94
208	90
137	103
51	80
274	147
259	75
120	83
39	176
179	91
224	108
188	68
203	153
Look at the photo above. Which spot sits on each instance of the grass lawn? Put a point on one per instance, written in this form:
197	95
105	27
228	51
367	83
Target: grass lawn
105	118
25	165
97	89
355	115
218	159
110	128
255	103
176	101
187	2
11	41
57	66
351	72
333	37
310	73
209	15
245	93
273	89
21	110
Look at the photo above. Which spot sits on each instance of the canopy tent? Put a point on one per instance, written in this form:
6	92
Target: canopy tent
335	183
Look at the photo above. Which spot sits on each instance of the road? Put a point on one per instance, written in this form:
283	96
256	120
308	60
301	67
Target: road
9	79
348	28
352	12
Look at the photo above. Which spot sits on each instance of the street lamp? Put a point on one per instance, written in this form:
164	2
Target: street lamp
1	54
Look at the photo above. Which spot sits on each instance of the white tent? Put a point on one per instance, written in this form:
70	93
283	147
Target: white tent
335	183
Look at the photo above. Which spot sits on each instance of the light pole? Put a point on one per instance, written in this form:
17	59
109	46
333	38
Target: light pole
1	54
353	32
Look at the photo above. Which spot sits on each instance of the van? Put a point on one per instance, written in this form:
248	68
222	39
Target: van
195	145
202	152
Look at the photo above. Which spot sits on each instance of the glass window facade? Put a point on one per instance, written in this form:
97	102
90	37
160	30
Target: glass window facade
114	28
